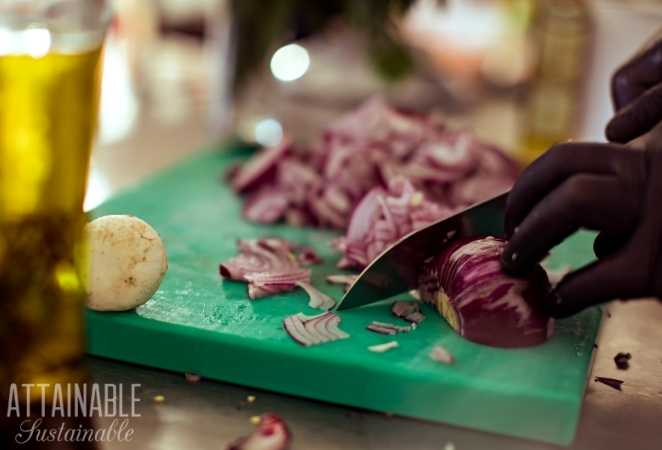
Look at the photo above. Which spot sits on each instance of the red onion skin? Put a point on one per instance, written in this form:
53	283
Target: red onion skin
268	265
260	168
491	307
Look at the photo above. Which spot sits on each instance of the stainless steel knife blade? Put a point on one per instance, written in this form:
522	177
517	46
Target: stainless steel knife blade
397	269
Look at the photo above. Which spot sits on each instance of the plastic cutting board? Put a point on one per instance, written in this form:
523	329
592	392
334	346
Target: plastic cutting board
199	323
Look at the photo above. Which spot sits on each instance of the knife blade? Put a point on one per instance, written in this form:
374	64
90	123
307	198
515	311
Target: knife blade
397	268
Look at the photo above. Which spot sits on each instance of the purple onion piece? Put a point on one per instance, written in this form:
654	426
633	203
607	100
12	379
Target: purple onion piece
314	330
265	206
258	167
268	265
377	173
307	256
410	311
344	280
441	355
385	347
389	328
318	299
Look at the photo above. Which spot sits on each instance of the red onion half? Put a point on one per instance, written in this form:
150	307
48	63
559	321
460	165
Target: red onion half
271	433
480	302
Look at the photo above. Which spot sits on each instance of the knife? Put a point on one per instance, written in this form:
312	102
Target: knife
396	269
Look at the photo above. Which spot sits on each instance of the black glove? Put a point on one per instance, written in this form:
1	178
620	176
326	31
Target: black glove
636	90
611	188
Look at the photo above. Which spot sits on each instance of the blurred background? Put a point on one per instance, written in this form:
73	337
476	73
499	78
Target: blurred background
183	74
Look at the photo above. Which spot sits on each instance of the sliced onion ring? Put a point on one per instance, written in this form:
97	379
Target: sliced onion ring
314	330
318	299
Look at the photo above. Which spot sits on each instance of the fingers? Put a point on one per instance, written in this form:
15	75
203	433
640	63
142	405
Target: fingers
639	74
607	244
559	163
583	201
638	117
599	282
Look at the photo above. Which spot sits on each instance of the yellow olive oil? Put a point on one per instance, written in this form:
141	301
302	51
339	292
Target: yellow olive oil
48	115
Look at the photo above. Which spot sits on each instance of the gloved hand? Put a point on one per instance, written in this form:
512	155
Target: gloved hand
636	90
611	188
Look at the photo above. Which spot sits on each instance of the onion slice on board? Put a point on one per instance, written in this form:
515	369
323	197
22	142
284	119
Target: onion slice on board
314	330
410	311
441	355
389	328
385	347
318	300
269	266
343	279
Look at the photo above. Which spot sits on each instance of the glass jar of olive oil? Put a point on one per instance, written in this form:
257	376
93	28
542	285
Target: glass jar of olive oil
49	89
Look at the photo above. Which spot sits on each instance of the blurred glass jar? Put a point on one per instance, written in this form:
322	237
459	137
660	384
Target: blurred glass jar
292	66
562	31
49	89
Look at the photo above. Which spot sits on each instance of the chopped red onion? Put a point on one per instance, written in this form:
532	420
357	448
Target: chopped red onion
389	328
272	433
269	266
381	348
410	311
318	299
345	280
314	330
307	256
377	173
480	302
382	218
440	354
265	206
258	168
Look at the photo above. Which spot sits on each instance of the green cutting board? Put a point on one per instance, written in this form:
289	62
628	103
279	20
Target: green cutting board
199	323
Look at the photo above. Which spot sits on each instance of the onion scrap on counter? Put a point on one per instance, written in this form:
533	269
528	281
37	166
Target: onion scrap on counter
271	433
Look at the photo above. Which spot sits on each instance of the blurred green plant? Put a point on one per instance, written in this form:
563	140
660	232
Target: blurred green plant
260	26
